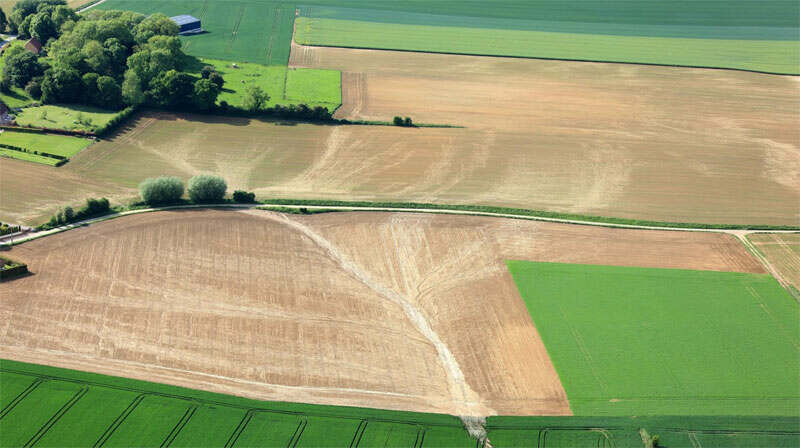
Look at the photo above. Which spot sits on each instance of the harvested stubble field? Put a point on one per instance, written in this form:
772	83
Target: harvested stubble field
782	251
667	144
387	310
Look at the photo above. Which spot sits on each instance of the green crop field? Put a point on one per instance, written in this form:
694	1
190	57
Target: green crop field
774	56
47	406
240	31
71	118
673	432
60	145
640	341
285	86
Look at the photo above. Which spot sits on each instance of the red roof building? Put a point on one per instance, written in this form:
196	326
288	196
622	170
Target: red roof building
33	45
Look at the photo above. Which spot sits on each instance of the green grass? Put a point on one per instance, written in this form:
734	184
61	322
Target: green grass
17	97
28	157
314	86
285	86
67	117
719	431
241	31
113	411
640	341
123	412
61	145
774	56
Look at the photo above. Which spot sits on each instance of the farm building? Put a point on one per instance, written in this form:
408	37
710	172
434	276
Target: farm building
188	24
33	45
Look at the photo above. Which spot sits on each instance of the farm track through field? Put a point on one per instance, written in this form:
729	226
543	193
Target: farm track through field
235	31
432	286
466	401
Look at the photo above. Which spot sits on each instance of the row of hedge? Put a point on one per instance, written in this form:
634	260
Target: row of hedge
30	151
67	215
115	122
11	269
6	229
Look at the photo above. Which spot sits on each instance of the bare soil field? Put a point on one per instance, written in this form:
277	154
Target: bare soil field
782	250
658	143
389	310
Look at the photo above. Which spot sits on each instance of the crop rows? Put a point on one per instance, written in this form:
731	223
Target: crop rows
56	411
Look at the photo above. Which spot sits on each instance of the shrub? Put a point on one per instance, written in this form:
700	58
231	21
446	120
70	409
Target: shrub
407	122
207	188
244	197
398	121
69	214
161	190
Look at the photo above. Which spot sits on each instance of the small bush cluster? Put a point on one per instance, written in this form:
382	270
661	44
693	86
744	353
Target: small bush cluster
244	197
206	188
5	229
405	122
67	215
10	268
162	190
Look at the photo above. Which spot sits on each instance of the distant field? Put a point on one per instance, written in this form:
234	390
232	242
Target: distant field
72	117
774	56
54	407
640	341
313	87
242	31
54	144
783	252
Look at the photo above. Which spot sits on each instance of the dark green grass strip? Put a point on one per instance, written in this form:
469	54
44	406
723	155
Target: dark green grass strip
526	212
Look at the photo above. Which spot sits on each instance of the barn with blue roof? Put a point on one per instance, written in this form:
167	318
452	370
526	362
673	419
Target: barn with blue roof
188	24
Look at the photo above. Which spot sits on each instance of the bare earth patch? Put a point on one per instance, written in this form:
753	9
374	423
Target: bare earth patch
782	251
389	310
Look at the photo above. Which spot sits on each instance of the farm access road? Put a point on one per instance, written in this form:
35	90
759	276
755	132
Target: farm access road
22	238
741	235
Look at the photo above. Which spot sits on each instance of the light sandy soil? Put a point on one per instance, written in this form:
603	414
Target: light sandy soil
390	310
657	143
782	251
611	139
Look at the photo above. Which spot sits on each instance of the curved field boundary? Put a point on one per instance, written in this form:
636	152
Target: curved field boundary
734	229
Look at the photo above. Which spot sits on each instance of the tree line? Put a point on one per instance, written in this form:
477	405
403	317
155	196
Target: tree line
108	59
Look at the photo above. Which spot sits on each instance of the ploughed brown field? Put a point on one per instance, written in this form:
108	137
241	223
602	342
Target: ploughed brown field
389	310
659	143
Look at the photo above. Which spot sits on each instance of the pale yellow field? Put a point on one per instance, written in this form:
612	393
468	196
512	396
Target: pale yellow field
657	143
782	251
387	310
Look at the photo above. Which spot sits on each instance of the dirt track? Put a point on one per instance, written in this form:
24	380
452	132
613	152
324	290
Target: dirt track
318	309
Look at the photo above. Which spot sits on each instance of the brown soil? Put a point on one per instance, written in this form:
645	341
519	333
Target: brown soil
658	143
390	310
782	251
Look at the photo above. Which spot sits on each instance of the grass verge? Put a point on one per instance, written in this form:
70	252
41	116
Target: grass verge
73	117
